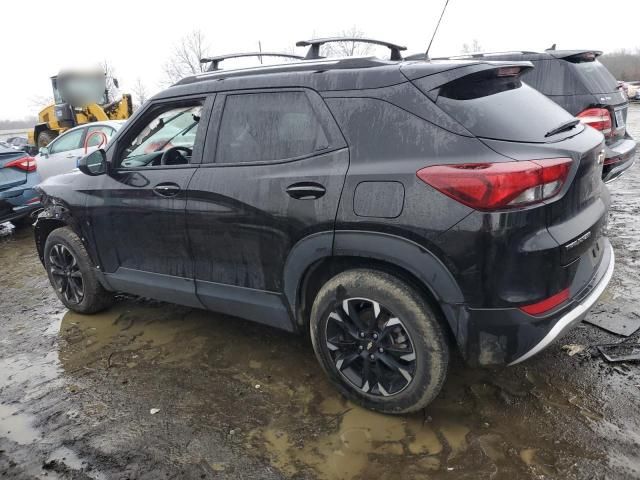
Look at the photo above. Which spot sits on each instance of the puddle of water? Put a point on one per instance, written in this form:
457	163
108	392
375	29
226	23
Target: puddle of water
318	432
358	436
16	426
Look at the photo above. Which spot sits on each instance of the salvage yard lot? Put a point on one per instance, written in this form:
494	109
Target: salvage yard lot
236	400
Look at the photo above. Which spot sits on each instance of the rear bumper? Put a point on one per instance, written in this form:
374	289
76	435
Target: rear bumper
18	203
509	336
587	298
622	154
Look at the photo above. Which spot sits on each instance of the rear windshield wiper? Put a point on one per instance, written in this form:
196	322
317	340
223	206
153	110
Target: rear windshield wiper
568	125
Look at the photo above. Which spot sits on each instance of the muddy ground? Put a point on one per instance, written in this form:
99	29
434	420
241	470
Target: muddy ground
240	401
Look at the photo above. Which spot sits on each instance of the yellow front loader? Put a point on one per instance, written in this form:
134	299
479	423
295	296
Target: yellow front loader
70	110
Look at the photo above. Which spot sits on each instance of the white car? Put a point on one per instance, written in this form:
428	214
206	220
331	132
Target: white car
63	153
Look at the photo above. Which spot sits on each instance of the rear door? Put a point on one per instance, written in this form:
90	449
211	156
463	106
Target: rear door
604	87
273	170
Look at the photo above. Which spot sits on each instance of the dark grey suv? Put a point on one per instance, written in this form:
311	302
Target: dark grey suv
384	207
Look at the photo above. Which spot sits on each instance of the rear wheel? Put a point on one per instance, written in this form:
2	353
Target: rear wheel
379	341
45	137
71	274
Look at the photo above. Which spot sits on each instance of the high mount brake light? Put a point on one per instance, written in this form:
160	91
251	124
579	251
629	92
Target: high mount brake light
502	185
598	118
28	164
508	72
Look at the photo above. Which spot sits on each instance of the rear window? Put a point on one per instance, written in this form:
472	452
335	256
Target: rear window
502	108
6	149
595	76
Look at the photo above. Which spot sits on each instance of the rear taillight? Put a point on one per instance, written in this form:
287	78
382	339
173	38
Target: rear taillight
598	118
546	304
494	186
28	164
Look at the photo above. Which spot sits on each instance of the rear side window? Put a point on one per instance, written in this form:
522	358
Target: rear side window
595	76
269	126
502	108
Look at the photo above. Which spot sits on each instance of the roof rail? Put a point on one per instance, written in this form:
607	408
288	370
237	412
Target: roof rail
215	61
484	54
315	44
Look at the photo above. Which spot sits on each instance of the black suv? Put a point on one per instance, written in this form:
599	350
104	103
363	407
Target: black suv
382	206
583	86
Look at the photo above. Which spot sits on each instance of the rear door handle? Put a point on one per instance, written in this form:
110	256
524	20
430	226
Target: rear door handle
306	190
167	189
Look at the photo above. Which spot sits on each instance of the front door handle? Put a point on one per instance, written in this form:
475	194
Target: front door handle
306	190
167	189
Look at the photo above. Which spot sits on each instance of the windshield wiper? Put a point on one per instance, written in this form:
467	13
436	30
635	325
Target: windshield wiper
568	125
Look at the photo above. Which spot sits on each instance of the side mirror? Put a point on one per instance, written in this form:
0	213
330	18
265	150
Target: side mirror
44	151
93	164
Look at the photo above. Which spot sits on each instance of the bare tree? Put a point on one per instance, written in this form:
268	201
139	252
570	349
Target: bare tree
111	80
185	58
474	47
348	48
38	102
140	93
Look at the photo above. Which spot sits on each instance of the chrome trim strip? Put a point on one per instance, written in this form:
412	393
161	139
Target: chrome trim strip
573	315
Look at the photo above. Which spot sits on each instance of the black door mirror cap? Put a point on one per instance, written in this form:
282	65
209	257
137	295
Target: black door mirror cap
94	164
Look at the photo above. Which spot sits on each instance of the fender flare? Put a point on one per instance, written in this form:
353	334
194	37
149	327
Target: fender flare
389	248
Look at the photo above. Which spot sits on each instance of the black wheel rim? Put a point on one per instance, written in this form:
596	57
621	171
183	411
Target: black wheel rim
370	347
66	274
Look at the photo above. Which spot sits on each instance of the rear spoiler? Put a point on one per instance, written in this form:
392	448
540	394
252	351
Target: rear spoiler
435	75
575	56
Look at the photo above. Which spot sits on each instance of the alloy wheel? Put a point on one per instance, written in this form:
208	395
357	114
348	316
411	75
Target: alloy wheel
66	273
370	347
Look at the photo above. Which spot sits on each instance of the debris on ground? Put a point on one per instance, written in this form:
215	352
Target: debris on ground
153	411
573	349
619	322
620	352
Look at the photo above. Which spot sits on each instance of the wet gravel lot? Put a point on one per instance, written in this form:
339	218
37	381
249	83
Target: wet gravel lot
239	401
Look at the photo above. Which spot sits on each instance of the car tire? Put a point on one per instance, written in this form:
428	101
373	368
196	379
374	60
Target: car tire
400	363
45	138
71	273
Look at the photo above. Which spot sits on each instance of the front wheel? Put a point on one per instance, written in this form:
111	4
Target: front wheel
71	274
379	341
45	138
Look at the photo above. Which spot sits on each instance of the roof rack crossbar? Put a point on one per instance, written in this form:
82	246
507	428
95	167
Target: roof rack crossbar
215	61
315	44
484	54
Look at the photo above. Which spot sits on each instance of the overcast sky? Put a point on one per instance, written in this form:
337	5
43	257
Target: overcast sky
40	37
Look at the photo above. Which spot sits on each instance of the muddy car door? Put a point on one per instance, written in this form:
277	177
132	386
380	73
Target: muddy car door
273	169
138	209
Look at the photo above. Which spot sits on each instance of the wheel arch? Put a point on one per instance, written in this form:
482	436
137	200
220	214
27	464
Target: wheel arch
55	215
321	256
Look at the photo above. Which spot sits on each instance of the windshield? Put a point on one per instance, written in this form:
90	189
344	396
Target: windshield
174	128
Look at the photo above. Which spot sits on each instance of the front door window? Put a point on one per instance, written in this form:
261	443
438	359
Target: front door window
167	139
